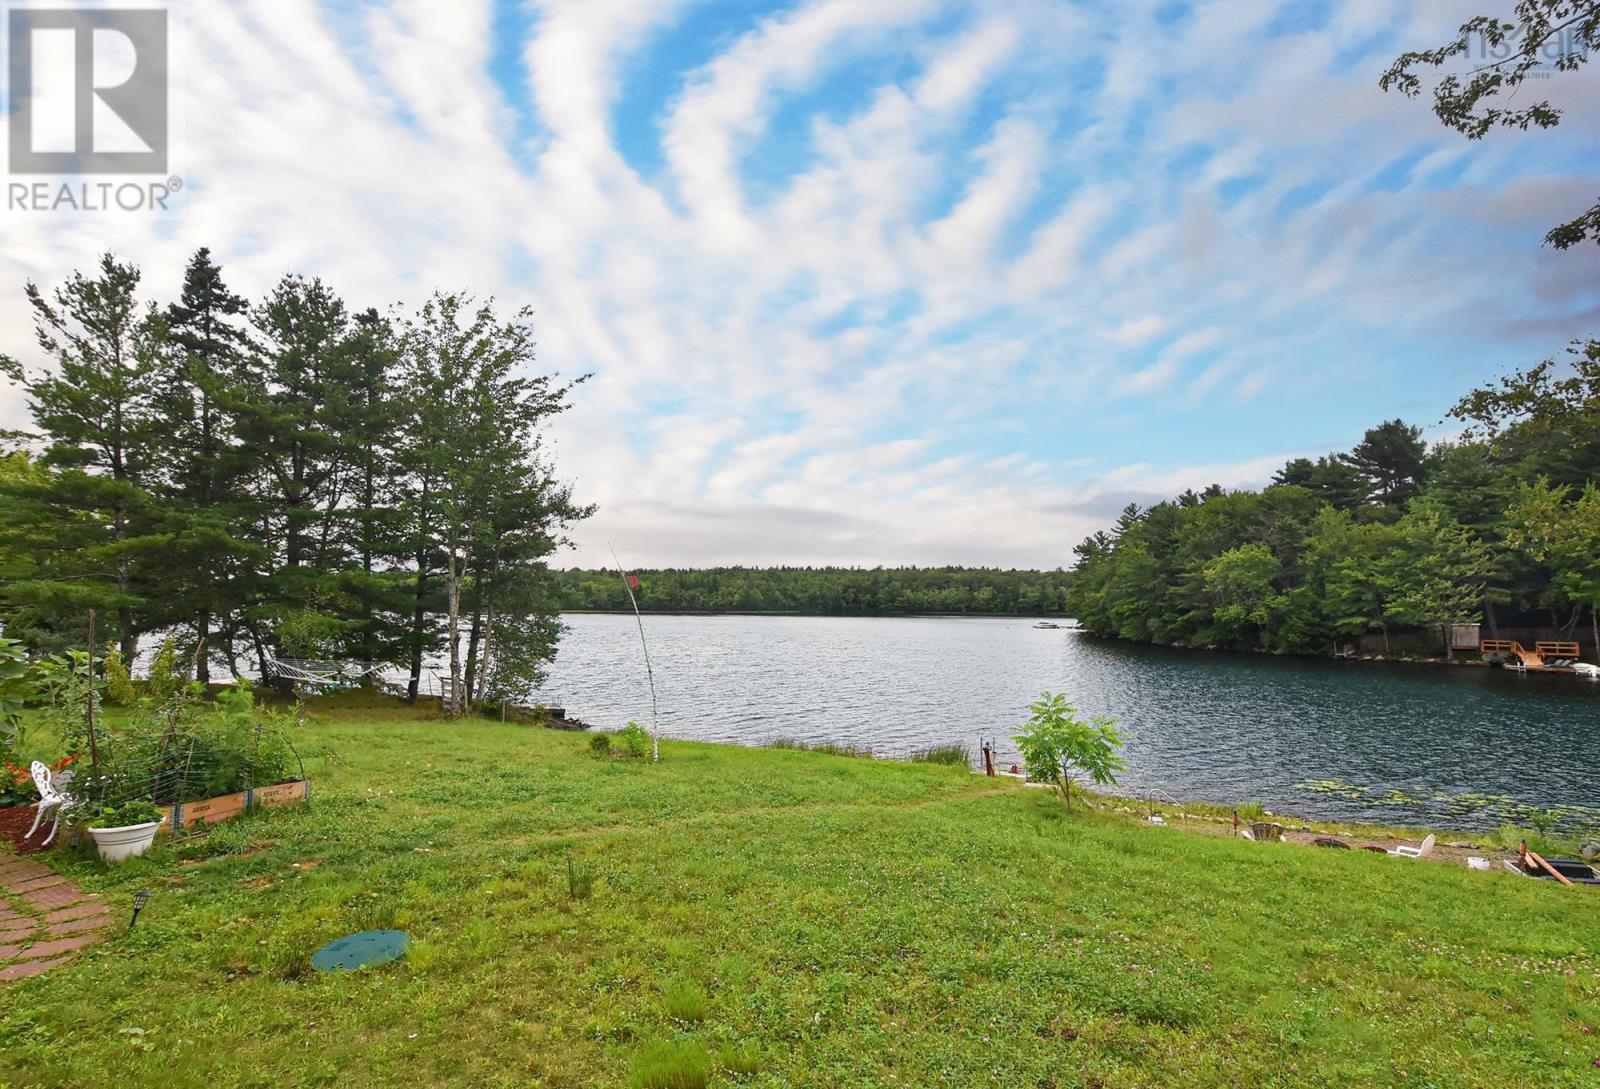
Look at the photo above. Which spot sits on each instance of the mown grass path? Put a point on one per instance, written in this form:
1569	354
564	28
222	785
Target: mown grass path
788	919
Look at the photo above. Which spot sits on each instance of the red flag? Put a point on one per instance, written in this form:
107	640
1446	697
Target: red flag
633	581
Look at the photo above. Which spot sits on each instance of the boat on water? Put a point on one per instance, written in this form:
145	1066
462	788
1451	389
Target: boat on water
1046	624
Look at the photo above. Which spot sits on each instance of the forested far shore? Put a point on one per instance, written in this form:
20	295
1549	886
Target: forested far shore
821	591
1499	527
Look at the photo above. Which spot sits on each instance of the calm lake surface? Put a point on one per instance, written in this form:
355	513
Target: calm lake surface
1470	747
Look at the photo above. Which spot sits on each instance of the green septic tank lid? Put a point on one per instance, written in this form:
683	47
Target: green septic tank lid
359	950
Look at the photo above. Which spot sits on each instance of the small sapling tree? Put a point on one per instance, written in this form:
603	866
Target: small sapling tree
1058	746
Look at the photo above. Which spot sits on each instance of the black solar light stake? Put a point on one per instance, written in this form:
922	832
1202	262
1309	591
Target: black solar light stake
139	899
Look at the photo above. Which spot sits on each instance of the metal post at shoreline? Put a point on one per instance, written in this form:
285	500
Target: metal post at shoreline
655	729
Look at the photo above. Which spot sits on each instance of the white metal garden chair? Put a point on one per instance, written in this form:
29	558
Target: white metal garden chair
50	800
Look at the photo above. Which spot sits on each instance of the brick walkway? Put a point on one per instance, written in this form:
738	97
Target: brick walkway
44	918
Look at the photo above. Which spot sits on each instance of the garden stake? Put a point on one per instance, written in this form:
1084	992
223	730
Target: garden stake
139	899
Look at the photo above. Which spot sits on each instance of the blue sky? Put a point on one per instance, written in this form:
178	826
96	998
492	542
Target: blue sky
889	281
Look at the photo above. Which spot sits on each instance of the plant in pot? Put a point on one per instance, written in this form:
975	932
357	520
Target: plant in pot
125	831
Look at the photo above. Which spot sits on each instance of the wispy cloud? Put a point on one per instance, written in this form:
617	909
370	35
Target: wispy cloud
884	280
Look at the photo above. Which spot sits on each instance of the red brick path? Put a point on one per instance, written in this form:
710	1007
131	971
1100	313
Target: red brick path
44	918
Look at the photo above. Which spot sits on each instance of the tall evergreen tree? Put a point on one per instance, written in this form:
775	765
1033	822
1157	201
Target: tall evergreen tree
204	467
292	433
95	410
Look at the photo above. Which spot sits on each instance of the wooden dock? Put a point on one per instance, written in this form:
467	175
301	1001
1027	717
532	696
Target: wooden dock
1545	657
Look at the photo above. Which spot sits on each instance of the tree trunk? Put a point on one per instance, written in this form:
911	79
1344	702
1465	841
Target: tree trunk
488	652
1491	618
417	617
474	635
469	674
369	650
1594	624
453	597
202	659
231	654
127	638
261	650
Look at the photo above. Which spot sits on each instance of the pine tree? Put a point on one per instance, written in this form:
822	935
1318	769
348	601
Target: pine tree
204	466
289	420
96	412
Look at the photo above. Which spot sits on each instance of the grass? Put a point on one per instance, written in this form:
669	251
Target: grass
954	755
684	1001
674	1064
774	918
826	748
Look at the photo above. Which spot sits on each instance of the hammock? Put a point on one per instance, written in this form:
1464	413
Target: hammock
326	674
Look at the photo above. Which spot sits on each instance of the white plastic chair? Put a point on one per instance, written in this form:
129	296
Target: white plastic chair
1423	851
50	799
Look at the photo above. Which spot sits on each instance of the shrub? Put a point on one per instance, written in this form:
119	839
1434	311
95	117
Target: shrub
953	755
166	677
236	747
677	1064
119	681
18	684
600	744
635	740
1056	744
684	1000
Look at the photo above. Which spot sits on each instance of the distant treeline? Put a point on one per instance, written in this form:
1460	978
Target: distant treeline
822	591
1502	526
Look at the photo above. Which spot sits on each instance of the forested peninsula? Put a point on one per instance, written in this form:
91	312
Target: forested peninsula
1498	526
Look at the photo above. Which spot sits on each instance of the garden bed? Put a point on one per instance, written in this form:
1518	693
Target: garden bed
228	806
15	820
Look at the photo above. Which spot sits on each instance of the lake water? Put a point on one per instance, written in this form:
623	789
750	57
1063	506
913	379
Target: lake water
1470	747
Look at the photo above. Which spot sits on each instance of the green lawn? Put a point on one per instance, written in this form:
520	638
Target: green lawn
785	919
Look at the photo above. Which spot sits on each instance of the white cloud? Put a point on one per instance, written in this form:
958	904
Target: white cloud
905	275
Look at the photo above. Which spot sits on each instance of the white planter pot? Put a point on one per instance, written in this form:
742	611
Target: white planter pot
129	841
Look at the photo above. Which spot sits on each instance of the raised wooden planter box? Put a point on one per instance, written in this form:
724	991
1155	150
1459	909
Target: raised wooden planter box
228	806
14	821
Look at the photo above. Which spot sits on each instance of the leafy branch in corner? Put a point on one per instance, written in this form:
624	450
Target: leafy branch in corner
1548	35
